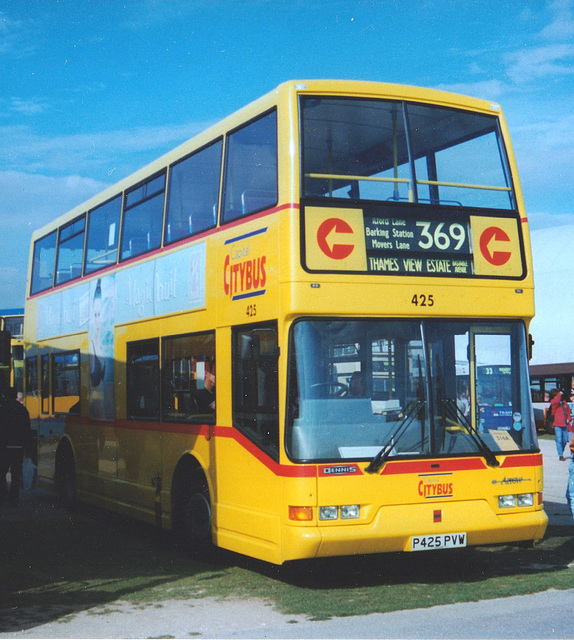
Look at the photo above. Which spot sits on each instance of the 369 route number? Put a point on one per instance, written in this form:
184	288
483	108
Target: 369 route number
423	300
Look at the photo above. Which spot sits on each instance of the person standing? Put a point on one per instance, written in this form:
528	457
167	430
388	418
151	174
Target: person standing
562	418
15	437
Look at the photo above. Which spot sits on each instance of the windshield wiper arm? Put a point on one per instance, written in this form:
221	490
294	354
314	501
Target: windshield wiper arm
411	412
486	451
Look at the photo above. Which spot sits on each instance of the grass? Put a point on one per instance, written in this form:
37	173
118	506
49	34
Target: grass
55	566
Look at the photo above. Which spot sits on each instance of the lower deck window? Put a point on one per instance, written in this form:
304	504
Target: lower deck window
66	382
143	379
188	374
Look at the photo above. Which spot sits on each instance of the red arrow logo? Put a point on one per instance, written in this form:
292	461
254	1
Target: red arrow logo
490	244
330	241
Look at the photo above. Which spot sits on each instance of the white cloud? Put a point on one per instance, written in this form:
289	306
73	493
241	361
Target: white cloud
15	38
27	107
23	149
31	200
540	62
562	27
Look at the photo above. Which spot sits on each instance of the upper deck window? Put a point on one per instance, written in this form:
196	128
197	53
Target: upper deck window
143	217
251	168
43	263
394	151
71	250
103	233
193	193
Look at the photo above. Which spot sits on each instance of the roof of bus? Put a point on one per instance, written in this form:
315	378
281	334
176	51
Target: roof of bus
11	312
283	91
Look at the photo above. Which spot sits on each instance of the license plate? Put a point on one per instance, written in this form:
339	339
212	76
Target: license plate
439	541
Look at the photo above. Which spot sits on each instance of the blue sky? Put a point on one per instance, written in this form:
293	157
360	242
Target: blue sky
93	90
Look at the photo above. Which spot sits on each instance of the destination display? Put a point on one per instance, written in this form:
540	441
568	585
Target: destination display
384	240
402	245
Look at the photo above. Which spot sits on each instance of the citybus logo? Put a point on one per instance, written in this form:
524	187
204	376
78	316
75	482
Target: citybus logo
243	275
435	489
244	279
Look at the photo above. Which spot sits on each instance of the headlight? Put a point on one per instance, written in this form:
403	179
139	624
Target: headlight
349	511
345	512
328	513
525	499
506	502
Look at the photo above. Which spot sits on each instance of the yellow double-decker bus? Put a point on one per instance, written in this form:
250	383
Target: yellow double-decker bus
350	263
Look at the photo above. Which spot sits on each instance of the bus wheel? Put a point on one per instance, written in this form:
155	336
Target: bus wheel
198	518
192	520
66	476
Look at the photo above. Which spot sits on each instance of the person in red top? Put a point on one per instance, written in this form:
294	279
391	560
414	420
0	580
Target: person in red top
562	419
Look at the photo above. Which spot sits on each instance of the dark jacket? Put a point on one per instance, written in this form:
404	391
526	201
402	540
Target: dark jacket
14	424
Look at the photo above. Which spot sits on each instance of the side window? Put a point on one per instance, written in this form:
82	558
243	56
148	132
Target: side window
536	388
45	383
66	382
143	217
251	168
103	233
31	375
142	369
43	263
193	193
15	326
188	369
71	251
255	385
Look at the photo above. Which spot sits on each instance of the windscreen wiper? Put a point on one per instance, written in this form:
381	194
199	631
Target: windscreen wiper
459	416
411	412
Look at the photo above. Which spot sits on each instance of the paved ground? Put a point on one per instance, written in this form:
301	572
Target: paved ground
545	615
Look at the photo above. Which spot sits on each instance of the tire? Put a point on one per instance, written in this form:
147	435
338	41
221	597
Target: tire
192	518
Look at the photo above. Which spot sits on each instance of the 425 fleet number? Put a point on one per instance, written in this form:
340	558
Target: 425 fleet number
423	300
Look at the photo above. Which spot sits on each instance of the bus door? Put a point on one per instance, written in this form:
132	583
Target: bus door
139	437
249	483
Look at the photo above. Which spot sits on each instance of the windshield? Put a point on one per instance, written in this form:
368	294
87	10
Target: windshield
430	388
397	151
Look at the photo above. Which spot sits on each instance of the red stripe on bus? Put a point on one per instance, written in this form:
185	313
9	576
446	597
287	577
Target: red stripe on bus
285	470
459	464
209	431
527	460
432	466
311	470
